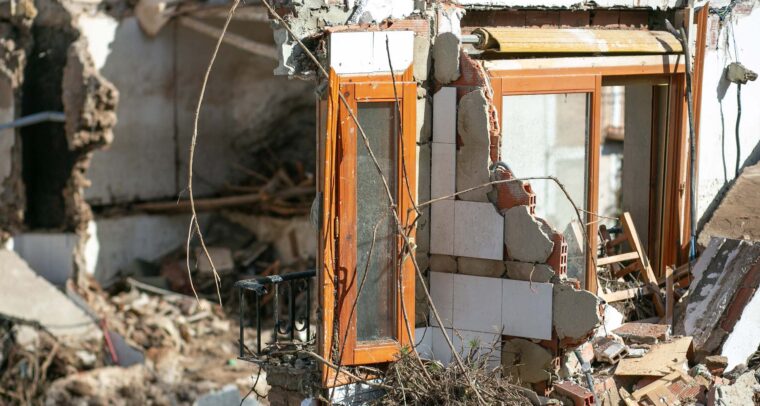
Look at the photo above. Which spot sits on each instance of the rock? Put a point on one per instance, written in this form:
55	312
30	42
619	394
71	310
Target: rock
524	237
473	157
526	361
575	312
443	263
480	267
740	393
527	271
446	58
716	364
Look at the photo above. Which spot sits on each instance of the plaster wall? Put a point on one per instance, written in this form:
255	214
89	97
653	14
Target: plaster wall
159	80
735	40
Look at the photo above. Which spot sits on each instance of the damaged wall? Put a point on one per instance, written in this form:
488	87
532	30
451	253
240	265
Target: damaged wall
732	40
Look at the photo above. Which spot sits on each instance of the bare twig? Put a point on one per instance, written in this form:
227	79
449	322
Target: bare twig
194	219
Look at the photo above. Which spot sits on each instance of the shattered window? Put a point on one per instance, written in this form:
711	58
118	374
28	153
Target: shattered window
375	308
547	135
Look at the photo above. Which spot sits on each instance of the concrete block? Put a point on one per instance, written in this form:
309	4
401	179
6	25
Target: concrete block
526	309
524	237
444	172
526	361
421	57
480	267
443	263
446	58
473	155
26	295
51	255
365	51
477	304
575	312
528	271
442	293
478	231
442	227
445	115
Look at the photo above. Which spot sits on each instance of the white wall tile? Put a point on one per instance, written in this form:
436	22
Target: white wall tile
423	340
488	344
477	303
527	309
51	255
445	115
443	170
442	227
365	51
442	293
478	231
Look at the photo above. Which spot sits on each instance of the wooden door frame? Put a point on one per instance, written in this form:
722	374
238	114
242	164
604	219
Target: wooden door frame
339	202
566	80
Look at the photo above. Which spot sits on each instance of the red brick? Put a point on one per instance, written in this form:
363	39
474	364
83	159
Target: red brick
578	394
539	18
513	194
574	18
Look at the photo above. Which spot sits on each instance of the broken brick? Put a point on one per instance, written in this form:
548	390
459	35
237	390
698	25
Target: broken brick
643	333
578	394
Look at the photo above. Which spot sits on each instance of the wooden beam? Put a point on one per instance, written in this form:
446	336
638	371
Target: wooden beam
625	294
669	296
238	41
647	274
617	258
628	269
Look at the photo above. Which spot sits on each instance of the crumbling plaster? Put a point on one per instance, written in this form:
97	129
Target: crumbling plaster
486	4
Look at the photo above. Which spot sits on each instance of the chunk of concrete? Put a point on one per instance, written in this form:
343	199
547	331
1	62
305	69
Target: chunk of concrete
443	263
528	271
575	312
524	236
27	296
740	393
473	157
446	58
480	267
526	361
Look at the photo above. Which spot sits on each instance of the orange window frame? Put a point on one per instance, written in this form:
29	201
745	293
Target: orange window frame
590	80
337	341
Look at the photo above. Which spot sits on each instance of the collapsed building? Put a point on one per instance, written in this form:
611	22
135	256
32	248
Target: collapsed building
505	188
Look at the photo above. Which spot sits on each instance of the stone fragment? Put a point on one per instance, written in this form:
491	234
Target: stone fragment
643	333
716	363
443	263
575	312
527	271
608	350
473	157
740	393
480	267
526	361
524	237
446	58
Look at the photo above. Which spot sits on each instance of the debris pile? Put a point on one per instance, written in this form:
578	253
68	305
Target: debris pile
160	349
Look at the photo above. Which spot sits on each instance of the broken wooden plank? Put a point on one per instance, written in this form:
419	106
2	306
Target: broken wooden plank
617	258
662	359
648	273
625	294
628	269
669	296
215	203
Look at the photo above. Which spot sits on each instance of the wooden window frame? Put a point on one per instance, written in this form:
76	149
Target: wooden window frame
336	190
589	79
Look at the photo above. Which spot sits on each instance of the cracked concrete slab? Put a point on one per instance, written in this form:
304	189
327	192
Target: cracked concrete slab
524	236
575	312
526	361
446	58
473	153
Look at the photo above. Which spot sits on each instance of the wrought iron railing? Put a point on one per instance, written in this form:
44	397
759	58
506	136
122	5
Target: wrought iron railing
296	282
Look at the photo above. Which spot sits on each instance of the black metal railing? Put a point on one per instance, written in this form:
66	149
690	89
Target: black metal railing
297	282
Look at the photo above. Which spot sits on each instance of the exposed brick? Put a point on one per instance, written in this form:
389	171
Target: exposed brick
574	18
605	18
744	293
540	18
558	258
634	18
511	194
578	394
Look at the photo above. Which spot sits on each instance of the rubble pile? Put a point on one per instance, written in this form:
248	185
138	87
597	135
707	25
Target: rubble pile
170	349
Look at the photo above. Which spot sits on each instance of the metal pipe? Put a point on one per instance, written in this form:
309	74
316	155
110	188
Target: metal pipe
258	325
41	117
470	39
308	308
242	318
292	309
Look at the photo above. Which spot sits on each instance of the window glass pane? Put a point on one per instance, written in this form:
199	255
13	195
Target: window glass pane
375	308
547	135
